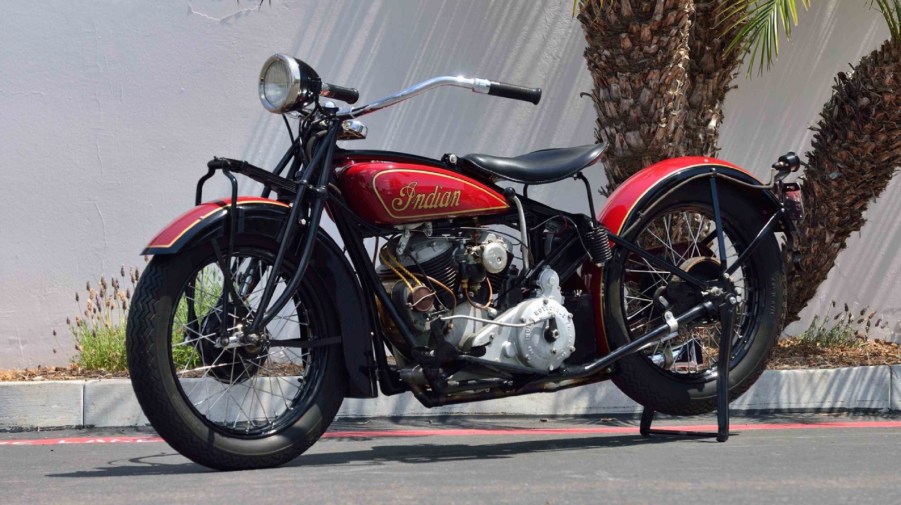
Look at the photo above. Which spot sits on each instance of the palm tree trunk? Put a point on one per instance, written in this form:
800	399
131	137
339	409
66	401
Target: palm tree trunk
856	150
711	70
638	55
661	72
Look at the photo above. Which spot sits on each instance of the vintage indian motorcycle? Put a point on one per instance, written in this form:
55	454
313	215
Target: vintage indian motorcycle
250	325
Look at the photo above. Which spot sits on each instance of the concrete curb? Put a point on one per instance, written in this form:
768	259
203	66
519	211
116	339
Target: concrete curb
111	403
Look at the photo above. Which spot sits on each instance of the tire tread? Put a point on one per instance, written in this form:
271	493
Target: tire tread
161	409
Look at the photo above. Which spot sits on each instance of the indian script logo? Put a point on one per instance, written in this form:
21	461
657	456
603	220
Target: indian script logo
439	198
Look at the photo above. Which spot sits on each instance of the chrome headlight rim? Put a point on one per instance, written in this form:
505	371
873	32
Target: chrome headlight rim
293	90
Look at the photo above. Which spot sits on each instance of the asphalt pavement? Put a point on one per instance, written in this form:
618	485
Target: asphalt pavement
799	459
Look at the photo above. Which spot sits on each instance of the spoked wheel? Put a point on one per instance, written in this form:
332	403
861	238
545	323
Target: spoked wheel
679	376
223	397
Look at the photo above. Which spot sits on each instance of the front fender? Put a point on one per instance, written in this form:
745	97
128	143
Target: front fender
266	217
197	221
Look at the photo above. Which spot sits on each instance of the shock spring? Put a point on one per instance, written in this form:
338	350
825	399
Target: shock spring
598	245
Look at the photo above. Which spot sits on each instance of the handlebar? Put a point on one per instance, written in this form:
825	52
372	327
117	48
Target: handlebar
485	86
515	92
349	95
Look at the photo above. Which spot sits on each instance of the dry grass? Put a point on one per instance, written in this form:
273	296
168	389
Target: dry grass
75	372
797	353
842	337
99	328
71	372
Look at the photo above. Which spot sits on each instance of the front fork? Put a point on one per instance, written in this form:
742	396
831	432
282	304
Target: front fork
311	188
322	161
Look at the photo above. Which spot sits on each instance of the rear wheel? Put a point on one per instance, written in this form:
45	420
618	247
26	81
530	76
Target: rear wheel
679	376
225	399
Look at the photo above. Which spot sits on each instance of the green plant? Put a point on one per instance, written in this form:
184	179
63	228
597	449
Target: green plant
207	290
758	23
99	329
846	328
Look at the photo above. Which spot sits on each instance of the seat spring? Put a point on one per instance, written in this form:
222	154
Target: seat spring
598	245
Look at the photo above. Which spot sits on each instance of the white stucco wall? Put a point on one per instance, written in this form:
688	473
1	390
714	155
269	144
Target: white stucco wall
109	111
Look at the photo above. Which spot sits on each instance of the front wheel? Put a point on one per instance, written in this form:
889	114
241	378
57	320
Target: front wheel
227	400
678	377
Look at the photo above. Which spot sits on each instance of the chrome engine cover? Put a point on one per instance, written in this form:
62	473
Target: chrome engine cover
537	333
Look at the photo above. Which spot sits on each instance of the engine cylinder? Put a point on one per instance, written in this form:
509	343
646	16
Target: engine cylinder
433	257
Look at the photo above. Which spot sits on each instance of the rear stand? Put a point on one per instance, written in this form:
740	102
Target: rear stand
727	316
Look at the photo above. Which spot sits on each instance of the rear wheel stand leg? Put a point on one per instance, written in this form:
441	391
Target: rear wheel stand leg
727	321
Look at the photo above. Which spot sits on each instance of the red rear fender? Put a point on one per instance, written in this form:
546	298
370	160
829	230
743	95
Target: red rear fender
639	191
660	176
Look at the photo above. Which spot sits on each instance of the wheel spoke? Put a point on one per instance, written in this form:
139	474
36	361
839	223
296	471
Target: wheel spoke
680	236
250	386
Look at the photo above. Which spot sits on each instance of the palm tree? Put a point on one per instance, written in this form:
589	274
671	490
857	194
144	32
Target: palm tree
857	142
661	72
659	78
855	152
638	58
712	68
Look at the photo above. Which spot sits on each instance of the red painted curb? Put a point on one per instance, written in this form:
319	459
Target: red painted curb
451	432
82	440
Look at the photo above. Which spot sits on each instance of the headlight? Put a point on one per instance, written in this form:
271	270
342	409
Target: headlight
287	83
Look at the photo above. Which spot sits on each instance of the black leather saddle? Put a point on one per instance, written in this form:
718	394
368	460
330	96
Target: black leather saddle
539	167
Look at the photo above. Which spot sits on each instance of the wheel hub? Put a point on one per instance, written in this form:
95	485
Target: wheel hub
236	356
682	295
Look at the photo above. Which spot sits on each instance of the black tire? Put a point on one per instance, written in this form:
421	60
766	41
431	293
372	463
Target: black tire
170	359
681	379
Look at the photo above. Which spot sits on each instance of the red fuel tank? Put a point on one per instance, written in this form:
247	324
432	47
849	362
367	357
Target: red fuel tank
395	192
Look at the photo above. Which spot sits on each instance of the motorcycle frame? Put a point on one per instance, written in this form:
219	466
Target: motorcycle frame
309	186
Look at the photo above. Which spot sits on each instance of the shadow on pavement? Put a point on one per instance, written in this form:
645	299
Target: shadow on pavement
433	453
144	465
381	454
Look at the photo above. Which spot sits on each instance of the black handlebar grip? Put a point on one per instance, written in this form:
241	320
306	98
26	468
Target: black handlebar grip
349	95
515	92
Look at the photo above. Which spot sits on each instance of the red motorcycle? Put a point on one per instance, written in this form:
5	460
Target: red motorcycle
251	324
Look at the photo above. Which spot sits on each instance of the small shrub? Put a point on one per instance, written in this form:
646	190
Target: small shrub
99	329
846	328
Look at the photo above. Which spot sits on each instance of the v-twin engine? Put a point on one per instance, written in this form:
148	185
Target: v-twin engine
537	333
471	307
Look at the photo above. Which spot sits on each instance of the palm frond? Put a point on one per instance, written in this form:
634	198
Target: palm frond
759	23
580	3
891	11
